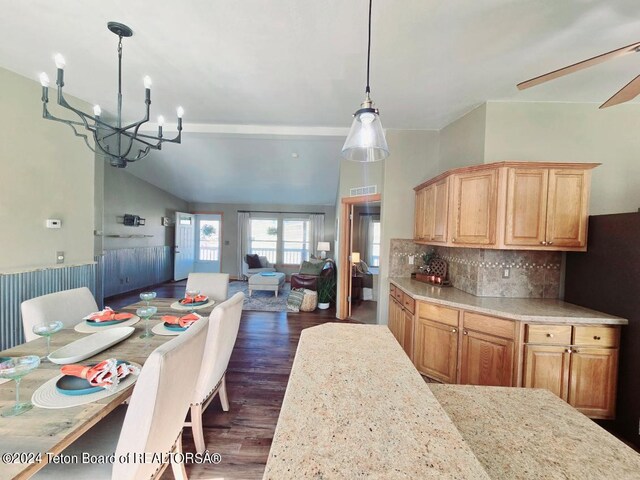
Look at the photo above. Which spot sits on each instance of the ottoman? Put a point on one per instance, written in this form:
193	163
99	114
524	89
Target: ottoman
266	281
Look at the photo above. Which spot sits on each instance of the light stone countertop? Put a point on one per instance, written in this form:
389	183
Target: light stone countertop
531	310
356	407
524	433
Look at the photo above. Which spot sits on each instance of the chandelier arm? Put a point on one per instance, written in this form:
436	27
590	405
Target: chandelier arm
72	125
101	148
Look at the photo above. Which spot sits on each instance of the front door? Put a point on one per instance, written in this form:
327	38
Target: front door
208	243
184	259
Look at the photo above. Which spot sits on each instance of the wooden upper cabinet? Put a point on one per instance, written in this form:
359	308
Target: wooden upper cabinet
475	202
568	207
424	213
526	216
440	210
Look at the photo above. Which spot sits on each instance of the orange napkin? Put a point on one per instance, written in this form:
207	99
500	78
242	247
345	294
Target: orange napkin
185	321
197	299
106	374
108	315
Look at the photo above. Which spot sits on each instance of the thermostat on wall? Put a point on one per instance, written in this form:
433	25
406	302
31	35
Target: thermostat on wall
54	223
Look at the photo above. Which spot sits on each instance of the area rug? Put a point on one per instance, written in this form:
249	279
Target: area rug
261	300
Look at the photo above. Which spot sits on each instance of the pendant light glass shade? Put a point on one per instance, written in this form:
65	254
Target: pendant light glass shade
366	142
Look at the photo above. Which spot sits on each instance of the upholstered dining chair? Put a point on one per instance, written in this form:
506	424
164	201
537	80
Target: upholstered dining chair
152	422
224	323
213	285
67	306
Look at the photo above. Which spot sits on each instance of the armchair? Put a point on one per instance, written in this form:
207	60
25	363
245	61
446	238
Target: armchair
265	267
310	281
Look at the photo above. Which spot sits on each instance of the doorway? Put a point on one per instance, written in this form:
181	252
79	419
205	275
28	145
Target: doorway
198	244
359	253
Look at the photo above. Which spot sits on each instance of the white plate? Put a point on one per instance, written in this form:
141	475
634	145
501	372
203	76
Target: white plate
46	395
84	327
185	308
160	329
88	346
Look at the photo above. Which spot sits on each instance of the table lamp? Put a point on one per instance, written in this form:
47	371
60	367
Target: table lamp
323	248
355	259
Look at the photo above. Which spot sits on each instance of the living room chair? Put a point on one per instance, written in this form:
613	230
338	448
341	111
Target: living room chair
152	422
213	285
265	266
67	306
224	323
302	279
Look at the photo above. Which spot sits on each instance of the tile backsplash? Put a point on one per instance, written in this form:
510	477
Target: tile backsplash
532	274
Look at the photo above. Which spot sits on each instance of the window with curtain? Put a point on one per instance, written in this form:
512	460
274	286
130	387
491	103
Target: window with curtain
374	243
263	239
296	241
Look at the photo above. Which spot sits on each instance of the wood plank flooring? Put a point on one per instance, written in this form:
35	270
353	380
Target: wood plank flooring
256	381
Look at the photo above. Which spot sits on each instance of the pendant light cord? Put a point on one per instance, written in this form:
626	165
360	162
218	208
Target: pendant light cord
367	90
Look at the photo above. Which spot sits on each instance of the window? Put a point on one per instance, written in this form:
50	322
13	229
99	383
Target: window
264	238
295	237
209	244
374	246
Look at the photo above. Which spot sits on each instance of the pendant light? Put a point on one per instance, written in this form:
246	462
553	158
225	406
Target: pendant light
366	142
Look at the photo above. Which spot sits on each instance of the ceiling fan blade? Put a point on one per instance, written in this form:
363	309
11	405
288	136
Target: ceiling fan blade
626	93
579	66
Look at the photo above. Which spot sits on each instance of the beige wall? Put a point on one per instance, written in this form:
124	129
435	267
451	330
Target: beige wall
462	142
45	172
229	262
125	193
571	132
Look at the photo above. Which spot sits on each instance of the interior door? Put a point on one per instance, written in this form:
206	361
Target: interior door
350	276
185	248
208	245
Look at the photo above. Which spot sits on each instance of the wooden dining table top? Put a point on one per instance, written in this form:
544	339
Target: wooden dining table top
42	431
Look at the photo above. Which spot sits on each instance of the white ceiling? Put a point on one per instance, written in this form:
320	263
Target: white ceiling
302	62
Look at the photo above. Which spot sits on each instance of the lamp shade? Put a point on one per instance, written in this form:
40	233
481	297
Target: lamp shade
323	246
355	257
366	142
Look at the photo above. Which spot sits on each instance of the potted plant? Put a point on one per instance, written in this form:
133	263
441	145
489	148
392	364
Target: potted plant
326	291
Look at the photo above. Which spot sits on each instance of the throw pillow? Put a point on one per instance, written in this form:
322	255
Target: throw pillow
264	262
253	261
294	300
308	268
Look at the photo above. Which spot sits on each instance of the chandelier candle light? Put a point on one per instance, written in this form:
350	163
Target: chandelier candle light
366	142
120	144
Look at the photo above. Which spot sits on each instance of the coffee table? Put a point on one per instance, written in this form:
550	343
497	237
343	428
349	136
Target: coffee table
270	282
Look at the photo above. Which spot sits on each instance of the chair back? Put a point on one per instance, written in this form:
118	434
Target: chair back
67	306
224	323
160	401
213	285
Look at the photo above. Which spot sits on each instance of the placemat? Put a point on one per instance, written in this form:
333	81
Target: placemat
160	329
185	308
84	327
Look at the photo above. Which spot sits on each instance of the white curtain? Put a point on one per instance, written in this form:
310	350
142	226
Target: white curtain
244	237
317	231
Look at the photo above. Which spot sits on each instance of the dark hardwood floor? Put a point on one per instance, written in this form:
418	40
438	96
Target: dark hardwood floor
256	381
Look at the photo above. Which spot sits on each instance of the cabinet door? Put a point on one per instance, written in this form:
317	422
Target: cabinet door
486	360
592	381
567	208
526	216
547	367
436	350
475	204
392	315
440	210
418	230
407	342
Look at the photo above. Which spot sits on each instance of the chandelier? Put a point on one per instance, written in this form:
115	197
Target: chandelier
119	143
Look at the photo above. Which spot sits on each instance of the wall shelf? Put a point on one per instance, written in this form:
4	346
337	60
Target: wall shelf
129	236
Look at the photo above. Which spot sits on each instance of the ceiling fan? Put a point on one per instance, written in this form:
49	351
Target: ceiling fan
626	93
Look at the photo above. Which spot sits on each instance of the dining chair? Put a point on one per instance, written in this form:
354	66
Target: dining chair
224	323
213	285
67	306
152	422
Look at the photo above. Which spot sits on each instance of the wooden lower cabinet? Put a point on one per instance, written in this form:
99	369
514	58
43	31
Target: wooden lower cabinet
436	350
547	367
486	360
400	323
592	381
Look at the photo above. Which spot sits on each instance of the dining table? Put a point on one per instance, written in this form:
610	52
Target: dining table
39	435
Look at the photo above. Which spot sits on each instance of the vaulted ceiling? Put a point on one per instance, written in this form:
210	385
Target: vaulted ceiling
301	63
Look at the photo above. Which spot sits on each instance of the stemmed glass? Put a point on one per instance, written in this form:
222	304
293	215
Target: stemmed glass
147	297
192	294
15	368
146	313
47	329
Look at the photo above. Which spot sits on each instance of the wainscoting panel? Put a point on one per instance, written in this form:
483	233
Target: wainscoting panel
127	269
15	288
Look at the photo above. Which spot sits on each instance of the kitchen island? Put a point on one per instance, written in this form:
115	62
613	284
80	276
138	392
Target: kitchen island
356	407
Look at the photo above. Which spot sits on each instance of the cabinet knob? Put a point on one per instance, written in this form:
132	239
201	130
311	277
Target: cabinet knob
454	330
543	243
596	337
550	335
464	332
576	351
568	350
453	240
549	243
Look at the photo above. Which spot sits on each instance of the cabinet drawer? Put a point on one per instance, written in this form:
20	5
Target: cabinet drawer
596	336
445	315
398	294
392	290
489	325
409	303
549	334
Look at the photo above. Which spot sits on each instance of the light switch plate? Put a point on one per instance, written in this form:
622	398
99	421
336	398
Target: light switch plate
506	273
59	257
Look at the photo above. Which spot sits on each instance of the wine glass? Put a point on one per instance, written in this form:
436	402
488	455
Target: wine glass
147	297
146	313
192	294
15	368
46	329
